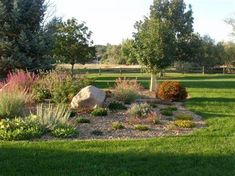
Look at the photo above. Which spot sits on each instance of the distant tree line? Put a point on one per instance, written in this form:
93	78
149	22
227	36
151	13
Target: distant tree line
208	53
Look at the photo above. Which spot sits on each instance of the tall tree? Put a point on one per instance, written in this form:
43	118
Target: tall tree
229	57
73	44
163	37
113	55
21	42
211	52
127	51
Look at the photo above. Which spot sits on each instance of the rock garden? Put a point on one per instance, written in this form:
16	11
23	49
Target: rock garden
55	105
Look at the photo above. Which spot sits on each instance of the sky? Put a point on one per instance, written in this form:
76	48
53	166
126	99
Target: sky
112	21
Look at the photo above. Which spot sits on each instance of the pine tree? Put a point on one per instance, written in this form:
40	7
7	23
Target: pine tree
21	35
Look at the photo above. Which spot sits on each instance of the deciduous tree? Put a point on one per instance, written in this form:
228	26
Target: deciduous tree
73	43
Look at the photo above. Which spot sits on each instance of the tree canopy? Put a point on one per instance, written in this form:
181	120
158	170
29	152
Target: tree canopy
22	41
73	44
164	36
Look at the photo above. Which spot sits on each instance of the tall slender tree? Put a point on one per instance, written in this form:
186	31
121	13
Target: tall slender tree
164	36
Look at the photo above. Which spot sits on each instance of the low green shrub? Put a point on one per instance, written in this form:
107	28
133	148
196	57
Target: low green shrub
141	128
20	129
184	117
82	120
116	106
184	124
73	114
140	110
117	126
141	114
64	132
153	105
97	133
168	111
99	112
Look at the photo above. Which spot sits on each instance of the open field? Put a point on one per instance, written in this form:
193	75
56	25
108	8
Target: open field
209	151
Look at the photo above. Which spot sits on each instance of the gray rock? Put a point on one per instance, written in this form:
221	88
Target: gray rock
89	97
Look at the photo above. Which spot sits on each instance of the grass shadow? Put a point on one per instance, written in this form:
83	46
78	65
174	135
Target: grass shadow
34	161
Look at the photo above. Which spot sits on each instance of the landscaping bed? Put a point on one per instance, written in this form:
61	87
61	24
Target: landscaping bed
101	127
57	106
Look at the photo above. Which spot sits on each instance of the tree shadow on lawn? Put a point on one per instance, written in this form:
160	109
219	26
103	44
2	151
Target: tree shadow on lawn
209	84
200	77
41	161
215	105
203	100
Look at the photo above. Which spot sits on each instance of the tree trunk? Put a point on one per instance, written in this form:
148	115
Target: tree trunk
153	82
72	70
161	74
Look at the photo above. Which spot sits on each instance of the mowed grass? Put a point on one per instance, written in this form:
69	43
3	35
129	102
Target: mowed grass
209	151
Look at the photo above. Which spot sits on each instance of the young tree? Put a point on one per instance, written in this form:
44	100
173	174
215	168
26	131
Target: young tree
73	44
163	37
155	46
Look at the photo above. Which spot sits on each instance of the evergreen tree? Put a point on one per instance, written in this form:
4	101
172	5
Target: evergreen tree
22	45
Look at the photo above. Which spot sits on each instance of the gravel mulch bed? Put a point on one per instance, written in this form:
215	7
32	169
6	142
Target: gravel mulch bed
101	127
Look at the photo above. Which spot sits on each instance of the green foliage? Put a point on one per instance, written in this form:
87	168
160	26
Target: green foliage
82	120
73	44
153	105
164	36
184	123
183	116
128	52
97	133
116	106
12	103
20	129
140	110
141	114
24	45
154	44
166	112
64	132
60	87
229	49
99	112
113	55
141	127
117	126
210	53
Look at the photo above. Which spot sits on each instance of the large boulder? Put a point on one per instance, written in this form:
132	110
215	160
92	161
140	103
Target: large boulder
89	97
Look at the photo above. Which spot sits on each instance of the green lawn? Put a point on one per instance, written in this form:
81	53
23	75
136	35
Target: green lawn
209	151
